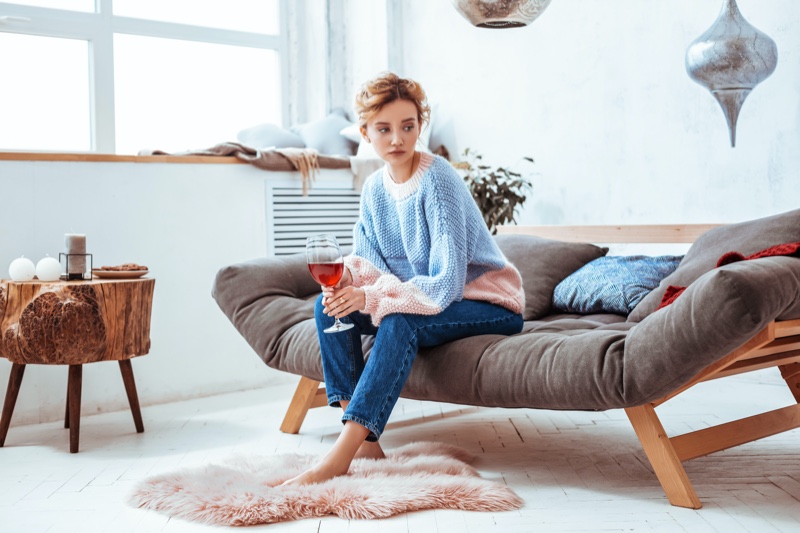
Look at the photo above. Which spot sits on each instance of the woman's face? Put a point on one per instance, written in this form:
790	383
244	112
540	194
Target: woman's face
393	131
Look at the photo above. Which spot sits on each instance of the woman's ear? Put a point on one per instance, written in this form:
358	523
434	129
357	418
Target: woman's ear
364	133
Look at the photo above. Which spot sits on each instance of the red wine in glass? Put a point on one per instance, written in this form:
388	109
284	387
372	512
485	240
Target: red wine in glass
326	265
327	274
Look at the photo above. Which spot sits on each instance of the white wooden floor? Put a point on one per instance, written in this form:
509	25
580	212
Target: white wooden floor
576	471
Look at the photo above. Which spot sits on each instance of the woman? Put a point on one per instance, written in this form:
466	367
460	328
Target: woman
424	271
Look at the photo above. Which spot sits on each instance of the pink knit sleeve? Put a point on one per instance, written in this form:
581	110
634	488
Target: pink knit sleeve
361	270
385	293
390	295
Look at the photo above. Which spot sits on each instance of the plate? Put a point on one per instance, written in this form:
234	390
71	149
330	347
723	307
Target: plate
119	274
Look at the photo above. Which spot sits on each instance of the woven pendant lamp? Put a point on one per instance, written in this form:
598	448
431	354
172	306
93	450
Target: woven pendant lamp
500	13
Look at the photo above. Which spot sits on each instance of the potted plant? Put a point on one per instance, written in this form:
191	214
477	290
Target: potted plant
498	191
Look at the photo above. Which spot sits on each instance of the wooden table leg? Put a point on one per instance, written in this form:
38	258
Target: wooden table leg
66	409
133	398
74	407
14	383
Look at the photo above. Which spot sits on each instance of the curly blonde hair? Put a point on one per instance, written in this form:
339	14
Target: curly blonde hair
384	89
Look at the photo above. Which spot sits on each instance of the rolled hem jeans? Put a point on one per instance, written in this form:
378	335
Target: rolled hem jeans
372	388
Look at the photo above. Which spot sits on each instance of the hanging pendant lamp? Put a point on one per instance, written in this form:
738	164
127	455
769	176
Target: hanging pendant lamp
500	13
730	59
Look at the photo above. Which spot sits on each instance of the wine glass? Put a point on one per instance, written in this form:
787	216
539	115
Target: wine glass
326	266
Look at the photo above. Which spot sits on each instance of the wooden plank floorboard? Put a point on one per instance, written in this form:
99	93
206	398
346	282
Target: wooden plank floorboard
576	471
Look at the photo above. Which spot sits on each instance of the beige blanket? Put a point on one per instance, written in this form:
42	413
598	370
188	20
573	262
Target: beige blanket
305	160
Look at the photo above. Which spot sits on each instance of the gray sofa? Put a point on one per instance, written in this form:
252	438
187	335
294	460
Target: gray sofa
723	321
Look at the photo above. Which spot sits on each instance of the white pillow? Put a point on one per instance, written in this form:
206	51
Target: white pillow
269	135
323	135
365	149
352	132
424	140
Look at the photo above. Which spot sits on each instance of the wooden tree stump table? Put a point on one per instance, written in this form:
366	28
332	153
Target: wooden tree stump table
74	323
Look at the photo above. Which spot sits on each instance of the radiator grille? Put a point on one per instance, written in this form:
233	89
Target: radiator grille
294	217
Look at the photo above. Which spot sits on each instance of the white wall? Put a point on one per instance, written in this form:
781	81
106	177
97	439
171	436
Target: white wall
184	222
597	93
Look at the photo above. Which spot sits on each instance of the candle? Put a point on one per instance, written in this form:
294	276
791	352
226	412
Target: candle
21	269
48	269
75	243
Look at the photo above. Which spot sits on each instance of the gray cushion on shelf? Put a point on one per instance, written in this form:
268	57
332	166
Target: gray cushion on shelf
543	263
612	284
745	237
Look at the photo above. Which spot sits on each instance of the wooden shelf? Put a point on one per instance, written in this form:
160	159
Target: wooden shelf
112	158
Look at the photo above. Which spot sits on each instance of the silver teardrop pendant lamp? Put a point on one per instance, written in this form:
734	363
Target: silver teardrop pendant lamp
500	13
730	59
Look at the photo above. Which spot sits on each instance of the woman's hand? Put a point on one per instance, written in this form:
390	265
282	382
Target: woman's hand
344	281
341	302
343	299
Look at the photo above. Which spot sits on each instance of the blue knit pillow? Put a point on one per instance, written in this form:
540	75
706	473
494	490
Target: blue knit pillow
612	284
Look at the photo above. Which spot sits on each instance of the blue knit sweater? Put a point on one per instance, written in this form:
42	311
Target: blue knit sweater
421	245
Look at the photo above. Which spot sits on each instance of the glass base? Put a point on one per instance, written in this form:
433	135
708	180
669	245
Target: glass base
337	327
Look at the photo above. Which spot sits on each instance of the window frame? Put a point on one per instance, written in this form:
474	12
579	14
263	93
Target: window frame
98	29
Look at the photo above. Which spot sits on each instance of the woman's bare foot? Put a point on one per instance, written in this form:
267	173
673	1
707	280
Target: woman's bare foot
326	470
370	450
337	461
317	474
367	450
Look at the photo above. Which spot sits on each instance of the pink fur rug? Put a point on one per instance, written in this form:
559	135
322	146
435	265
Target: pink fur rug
243	491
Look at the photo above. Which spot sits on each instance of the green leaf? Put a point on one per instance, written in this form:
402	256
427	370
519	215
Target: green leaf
497	191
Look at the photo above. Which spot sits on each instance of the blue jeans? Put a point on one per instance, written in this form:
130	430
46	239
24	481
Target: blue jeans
373	388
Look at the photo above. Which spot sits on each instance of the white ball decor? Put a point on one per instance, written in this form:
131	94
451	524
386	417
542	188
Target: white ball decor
21	269
48	269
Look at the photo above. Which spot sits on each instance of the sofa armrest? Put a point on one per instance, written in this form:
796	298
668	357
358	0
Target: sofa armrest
714	316
267	300
266	276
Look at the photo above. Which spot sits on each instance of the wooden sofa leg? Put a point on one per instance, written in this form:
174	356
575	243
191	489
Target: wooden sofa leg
307	395
662	456
791	374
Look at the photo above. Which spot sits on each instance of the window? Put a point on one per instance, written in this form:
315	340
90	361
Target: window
258	16
45	94
74	5
181	95
119	76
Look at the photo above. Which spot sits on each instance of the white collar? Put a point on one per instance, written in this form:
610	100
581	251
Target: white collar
403	190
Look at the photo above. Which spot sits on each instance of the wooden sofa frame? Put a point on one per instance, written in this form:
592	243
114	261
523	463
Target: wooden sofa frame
778	344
